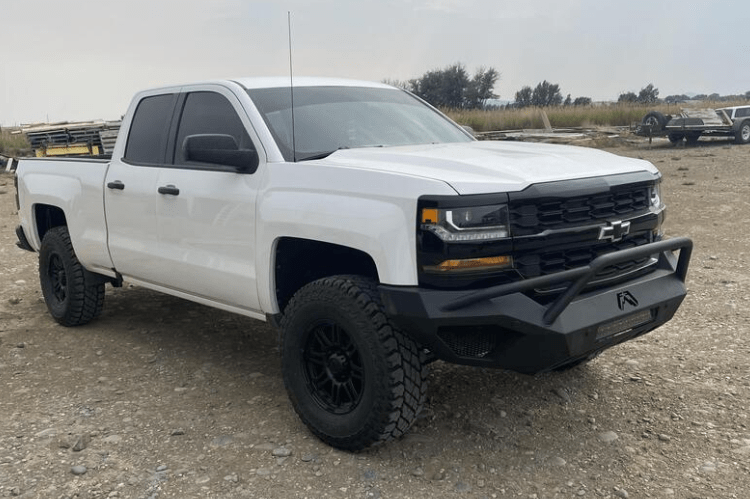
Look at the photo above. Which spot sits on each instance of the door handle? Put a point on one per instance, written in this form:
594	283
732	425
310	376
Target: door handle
116	185
169	189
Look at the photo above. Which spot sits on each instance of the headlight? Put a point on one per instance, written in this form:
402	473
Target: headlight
472	224
655	195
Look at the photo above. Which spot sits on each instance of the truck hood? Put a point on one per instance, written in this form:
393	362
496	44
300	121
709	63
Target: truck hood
485	167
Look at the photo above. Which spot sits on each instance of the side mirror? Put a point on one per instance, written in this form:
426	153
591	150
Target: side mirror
219	149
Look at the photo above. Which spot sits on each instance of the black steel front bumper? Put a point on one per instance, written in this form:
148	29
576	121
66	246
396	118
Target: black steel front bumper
505	327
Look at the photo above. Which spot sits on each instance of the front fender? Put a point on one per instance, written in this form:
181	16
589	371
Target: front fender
368	211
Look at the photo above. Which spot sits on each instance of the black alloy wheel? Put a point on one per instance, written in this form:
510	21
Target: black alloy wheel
352	376
57	278
72	296
333	368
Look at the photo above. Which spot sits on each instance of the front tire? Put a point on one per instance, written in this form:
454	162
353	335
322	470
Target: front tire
70	298
353	378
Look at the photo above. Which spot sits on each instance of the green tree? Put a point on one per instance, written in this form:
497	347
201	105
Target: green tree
451	87
546	94
582	101
442	87
648	94
481	88
523	97
628	97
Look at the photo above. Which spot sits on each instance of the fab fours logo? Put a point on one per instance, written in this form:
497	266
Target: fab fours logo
625	298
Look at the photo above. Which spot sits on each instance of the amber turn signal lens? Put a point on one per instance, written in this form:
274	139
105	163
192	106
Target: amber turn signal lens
474	263
429	215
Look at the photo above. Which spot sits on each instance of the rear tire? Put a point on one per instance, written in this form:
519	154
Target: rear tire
70	299
675	138
742	135
692	138
353	378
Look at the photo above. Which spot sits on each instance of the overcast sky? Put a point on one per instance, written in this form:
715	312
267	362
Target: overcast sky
84	59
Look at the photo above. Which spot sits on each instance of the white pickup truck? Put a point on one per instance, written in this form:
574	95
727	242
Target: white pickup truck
375	232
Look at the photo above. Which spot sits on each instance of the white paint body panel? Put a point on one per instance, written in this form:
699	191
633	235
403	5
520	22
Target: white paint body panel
215	242
487	167
76	187
200	243
365	210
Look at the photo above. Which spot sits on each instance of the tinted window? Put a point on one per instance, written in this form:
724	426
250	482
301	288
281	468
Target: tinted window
209	113
148	133
331	118
741	113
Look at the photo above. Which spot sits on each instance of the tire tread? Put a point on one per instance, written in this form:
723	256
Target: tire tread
405	369
85	300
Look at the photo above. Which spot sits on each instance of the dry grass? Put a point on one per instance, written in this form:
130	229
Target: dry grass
13	144
567	117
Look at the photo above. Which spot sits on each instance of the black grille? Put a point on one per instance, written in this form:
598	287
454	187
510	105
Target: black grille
554	226
528	217
550	259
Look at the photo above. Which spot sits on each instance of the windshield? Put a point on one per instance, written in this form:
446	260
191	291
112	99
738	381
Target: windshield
327	119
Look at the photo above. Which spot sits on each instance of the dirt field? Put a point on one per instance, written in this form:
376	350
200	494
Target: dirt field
164	398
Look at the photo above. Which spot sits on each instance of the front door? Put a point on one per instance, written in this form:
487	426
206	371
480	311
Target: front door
205	213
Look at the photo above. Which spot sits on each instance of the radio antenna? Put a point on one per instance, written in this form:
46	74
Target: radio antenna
291	83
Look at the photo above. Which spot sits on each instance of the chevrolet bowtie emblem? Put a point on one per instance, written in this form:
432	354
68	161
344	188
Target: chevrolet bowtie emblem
615	231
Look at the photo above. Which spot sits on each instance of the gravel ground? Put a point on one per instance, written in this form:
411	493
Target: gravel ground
165	398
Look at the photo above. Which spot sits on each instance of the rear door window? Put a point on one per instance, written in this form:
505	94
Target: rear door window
149	131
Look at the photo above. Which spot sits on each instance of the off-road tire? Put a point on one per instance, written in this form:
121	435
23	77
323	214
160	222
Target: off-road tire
71	299
742	134
353	378
656	120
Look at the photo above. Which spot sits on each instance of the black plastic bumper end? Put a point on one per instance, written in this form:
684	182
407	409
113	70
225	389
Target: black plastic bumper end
22	242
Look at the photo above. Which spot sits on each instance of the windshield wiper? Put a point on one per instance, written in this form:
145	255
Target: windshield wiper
320	155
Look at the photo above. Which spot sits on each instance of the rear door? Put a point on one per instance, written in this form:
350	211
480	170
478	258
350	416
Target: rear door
205	212
130	188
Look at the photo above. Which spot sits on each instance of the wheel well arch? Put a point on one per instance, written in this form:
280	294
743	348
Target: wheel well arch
298	262
47	217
